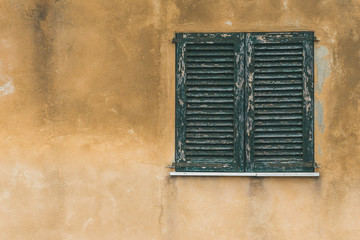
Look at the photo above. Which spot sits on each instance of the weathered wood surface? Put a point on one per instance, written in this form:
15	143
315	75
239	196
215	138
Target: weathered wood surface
212	111
279	102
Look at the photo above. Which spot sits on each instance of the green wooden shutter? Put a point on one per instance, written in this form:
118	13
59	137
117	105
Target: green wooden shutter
209	102
279	102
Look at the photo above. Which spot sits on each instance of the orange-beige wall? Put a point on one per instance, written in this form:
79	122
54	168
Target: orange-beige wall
87	96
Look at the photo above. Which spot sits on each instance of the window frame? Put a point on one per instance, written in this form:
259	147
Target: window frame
242	42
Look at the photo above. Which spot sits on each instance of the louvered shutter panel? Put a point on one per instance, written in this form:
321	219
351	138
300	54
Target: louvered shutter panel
279	102
209	102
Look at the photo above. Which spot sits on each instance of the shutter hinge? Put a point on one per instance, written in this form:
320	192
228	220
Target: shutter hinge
172	166
316	39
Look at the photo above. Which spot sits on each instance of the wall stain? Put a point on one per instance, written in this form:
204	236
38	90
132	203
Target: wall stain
43	58
319	115
257	213
323	68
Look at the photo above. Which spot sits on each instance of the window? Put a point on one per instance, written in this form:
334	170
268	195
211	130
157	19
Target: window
244	102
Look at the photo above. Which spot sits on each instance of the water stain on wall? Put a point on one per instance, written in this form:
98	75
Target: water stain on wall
323	70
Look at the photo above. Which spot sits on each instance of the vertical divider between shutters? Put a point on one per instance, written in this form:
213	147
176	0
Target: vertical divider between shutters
180	123
308	94
249	104
239	83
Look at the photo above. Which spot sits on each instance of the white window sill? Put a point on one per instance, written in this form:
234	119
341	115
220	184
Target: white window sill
242	174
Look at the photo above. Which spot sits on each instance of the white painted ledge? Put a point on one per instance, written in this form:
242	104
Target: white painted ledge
241	174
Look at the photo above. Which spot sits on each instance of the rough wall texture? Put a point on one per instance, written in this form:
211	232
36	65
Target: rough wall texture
87	124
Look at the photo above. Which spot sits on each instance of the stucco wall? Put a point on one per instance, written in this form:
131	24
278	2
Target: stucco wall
87	124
